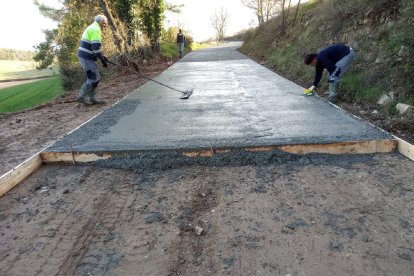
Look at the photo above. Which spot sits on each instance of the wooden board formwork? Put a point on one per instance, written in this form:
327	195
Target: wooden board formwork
365	147
405	148
19	173
25	169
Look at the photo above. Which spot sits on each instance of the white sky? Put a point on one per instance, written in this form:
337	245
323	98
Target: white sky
195	17
21	24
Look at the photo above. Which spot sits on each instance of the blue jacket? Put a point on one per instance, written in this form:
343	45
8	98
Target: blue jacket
327	58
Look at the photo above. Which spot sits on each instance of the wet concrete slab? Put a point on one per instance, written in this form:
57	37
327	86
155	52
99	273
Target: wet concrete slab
236	103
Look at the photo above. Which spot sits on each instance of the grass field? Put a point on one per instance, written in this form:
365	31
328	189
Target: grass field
14	69
27	95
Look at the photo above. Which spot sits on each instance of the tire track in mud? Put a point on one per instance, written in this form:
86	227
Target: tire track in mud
85	233
61	232
61	242
83	241
56	230
191	249
69	226
93	252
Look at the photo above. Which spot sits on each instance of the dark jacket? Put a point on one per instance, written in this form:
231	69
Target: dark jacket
180	38
327	58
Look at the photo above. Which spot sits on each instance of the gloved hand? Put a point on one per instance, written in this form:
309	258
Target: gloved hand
310	91
104	61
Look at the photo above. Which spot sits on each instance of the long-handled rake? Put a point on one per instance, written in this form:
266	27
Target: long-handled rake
185	94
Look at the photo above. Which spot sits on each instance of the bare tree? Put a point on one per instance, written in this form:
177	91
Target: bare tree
285	13
264	9
180	25
219	21
296	13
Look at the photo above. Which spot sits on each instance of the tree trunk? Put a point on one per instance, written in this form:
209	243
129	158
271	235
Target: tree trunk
260	17
288	12
296	14
283	16
116	33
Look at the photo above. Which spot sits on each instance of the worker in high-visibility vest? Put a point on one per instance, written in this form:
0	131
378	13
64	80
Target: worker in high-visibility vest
88	53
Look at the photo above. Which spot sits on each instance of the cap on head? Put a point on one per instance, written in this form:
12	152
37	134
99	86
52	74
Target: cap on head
100	18
309	58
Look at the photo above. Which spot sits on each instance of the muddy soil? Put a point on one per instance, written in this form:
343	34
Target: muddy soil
307	215
23	134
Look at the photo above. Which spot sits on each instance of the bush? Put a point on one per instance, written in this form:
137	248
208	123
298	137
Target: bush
169	50
72	76
354	88
196	46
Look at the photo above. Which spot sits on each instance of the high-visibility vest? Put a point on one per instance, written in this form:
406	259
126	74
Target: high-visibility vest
90	44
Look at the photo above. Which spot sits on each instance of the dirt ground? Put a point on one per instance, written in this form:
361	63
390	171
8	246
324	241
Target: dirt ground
402	128
292	215
308	215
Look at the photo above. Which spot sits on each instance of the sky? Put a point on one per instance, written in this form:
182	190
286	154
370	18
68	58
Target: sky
195	17
21	24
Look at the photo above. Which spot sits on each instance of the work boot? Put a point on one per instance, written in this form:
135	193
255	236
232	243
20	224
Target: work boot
83	93
83	101
333	92
94	101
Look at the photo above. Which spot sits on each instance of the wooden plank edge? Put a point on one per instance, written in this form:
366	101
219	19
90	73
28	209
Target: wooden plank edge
354	147
357	147
405	148
12	178
364	147
68	157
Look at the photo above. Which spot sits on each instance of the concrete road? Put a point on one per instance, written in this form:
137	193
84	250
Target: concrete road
236	103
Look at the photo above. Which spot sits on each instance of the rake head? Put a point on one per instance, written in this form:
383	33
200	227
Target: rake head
187	94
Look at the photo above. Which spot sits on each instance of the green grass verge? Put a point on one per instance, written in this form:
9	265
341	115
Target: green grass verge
170	49
308	6
355	89
28	95
197	46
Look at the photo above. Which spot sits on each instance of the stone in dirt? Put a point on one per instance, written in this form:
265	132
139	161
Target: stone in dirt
198	230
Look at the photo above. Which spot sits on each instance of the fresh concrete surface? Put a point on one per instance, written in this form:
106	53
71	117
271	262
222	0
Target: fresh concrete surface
236	103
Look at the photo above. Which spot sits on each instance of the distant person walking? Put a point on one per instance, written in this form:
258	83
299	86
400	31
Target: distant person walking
336	59
88	53
180	42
